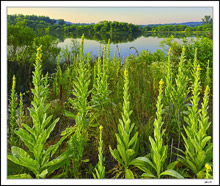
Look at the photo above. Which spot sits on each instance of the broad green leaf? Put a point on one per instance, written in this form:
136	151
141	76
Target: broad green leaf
85	160
55	161
20	176
129	174
43	173
69	114
172	173
46	121
26	138
115	155
205	140
122	152
133	139
51	127
38	151
148	175
172	165
19	156
29	129
145	159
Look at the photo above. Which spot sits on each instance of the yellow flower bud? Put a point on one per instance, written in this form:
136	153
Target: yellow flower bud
184	49
78	113
207	166
198	68
100	127
161	82
13	82
169	51
125	73
207	89
82	39
187	78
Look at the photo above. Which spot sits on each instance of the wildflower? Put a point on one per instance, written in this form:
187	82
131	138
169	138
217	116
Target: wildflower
82	39
161	82
125	73
187	78
78	113
39	49
38	56
198	68
100	127
13	83
207	89
169	51
208	167
184	49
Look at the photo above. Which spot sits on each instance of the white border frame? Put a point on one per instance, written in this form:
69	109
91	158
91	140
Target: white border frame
5	4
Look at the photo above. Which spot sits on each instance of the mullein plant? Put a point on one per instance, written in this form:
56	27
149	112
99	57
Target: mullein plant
81	91
179	98
12	110
101	92
21	112
154	163
207	78
38	159
197	143
127	145
100	168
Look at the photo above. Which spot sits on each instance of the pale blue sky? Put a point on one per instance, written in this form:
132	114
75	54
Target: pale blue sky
140	15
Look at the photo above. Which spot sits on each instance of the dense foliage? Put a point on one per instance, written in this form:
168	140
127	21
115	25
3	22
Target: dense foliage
144	116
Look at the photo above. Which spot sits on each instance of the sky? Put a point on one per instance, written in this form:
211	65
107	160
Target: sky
139	16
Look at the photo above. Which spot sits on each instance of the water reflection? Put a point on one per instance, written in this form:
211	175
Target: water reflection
126	43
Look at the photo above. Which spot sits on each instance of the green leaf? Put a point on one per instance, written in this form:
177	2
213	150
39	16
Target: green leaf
19	156
122	152
172	173
68	130
130	152
50	128
148	175
29	129
133	139
145	159
129	174
85	160
172	165
38	151
20	176
26	138
45	121
56	163
69	114
43	173
115	155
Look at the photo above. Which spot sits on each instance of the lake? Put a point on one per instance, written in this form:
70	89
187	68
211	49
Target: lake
150	42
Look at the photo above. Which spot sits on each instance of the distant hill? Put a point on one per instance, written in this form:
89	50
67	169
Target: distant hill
192	24
70	23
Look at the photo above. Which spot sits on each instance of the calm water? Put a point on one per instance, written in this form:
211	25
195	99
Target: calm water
142	43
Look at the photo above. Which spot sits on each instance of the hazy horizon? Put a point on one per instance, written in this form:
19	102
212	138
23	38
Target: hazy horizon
138	16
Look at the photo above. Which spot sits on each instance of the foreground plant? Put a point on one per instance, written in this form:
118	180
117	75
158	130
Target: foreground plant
81	91
127	146
197	143
153	164
38	159
100	170
12	110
